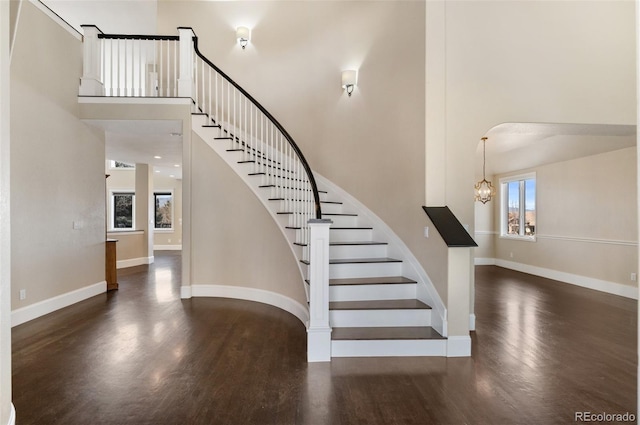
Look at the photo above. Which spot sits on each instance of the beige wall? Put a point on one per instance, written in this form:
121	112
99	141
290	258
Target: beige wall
125	180
57	176
586	220
235	241
371	144
528	61
130	245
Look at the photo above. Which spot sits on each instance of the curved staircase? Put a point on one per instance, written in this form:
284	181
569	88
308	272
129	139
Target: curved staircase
374	309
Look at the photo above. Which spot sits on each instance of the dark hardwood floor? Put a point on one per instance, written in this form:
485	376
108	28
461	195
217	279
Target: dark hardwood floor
542	351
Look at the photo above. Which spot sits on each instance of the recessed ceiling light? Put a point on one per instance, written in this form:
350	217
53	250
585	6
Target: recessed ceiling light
157	171
157	157
171	175
176	165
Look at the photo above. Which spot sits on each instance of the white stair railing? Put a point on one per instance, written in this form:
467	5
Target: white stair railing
123	65
249	127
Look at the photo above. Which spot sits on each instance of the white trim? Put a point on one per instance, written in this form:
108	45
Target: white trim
484	261
185	292
167	247
15	32
12	415
574	279
472	322
33	311
459	346
252	294
135	100
57	19
121	264
124	232
589	240
485	232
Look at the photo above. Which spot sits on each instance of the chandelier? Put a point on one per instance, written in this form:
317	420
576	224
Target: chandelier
484	190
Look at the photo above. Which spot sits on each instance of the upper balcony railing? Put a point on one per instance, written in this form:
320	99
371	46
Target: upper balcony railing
119	65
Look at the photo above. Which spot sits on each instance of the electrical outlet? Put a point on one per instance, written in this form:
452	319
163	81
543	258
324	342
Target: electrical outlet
169	240
634	277
426	232
511	254
23	294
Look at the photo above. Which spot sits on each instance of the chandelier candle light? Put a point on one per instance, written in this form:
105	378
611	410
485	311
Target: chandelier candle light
484	190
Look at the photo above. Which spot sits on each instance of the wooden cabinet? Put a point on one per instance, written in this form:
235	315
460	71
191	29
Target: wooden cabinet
111	272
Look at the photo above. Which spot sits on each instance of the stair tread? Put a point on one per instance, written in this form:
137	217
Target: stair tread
359	260
371	281
358	243
397	333
407	304
340	214
350	228
349	243
363	260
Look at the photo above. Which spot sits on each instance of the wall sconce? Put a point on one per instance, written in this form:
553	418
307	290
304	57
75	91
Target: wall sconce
243	34
349	80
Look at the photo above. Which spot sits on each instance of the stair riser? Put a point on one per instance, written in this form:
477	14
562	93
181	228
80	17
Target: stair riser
342	220
372	292
357	251
379	318
350	235
387	348
332	208
342	271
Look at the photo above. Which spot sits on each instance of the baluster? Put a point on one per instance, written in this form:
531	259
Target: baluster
202	83
209	121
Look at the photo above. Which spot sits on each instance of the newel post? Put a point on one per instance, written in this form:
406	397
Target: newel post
319	331
185	80
91	81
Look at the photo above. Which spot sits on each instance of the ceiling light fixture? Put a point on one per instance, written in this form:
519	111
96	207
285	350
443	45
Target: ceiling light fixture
484	190
157	157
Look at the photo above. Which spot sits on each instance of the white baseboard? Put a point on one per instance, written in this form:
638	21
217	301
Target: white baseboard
574	279
33	311
121	264
485	261
185	292
472	322
253	294
167	247
12	415
459	346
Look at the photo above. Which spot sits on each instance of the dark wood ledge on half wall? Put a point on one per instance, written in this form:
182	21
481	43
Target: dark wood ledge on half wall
452	231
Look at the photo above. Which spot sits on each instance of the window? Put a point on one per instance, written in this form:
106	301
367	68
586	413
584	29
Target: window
518	212
119	165
122	210
163	210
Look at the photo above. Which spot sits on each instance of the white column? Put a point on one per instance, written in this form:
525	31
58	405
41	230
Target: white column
319	331
145	207
7	414
458	277
185	81
91	81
